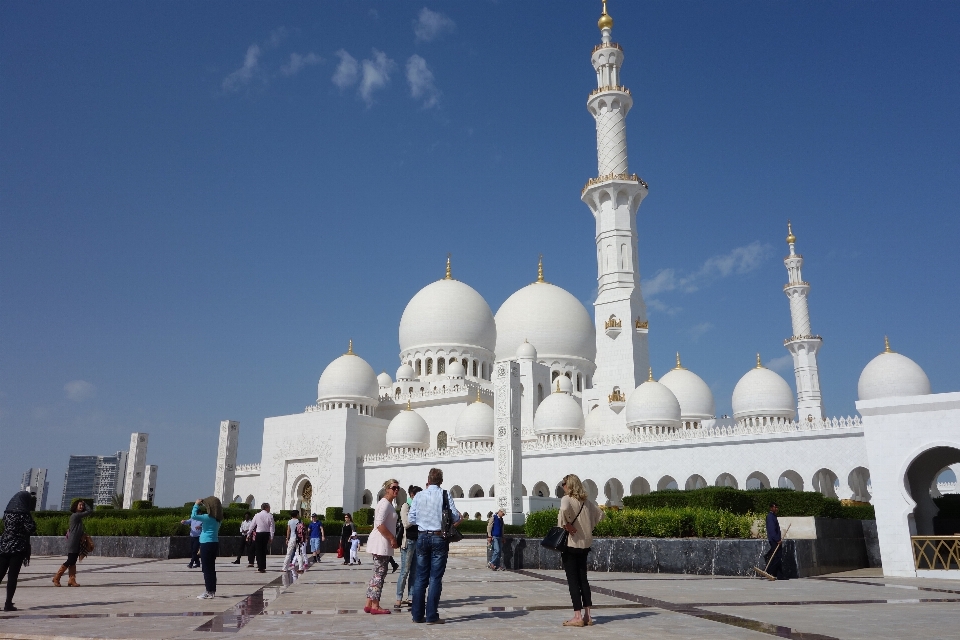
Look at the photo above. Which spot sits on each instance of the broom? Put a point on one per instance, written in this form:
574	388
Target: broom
763	572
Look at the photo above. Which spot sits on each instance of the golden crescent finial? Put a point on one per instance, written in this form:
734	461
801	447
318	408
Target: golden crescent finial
350	349
448	276
650	378
540	270
759	364
886	345
790	237
679	366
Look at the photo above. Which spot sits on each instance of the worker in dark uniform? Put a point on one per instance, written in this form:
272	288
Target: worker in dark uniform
774	538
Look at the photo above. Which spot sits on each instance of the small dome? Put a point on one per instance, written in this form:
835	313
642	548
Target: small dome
552	319
405	372
559	414
348	378
763	393
408	430
475	423
527	351
384	379
652	404
563	383
693	394
890	375
593	423
447	313
456	370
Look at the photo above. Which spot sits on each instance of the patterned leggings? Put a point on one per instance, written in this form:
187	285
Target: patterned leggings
375	586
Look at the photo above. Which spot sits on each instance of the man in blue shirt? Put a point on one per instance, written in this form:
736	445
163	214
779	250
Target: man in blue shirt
774	539
195	526
316	536
426	513
495	539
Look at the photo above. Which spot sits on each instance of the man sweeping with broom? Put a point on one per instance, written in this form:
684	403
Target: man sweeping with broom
774	556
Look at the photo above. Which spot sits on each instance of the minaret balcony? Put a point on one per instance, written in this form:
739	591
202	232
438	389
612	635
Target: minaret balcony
617	400
613	327
642	326
802	339
606	45
611	177
610	87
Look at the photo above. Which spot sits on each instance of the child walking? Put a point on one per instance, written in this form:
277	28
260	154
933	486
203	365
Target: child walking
354	548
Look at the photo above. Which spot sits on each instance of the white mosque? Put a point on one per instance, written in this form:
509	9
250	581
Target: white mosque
587	399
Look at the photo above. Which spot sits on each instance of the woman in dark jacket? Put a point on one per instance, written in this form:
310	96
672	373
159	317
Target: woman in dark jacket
75	533
18	526
348	530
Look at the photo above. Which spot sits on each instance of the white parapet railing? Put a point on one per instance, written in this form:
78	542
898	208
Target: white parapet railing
722	431
248	467
947	487
461	450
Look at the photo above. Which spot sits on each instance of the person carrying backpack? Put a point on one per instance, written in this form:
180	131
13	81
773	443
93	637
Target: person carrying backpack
292	539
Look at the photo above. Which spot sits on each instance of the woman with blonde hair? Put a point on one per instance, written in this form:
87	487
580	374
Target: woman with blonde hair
381	543
578	516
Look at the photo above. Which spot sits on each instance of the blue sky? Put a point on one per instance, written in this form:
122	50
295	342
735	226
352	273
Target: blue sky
202	202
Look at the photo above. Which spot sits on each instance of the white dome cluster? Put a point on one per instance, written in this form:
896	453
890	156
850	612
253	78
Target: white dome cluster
348	380
559	415
762	394
892	375
408	430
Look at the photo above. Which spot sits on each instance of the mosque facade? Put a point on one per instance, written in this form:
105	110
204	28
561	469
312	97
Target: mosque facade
586	400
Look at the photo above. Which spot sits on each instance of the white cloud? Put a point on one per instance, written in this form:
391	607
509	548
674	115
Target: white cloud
420	79
738	261
783	364
431	24
242	76
375	75
298	62
697	331
79	390
662	307
347	71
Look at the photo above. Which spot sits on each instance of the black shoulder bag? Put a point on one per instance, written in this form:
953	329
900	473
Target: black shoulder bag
556	538
450	532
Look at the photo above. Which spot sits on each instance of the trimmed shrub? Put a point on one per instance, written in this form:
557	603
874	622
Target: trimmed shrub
791	503
859	512
334	514
539	522
139	505
363	516
662	522
103	507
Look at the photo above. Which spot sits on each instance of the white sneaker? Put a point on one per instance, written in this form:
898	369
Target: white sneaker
206	595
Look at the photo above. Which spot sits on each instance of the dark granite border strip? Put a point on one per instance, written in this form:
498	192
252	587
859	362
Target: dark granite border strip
692	610
883	584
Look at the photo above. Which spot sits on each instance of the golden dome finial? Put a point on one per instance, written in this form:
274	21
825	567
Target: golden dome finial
605	21
478	395
408	405
558	384
759	364
540	270
790	237
350	349
650	379
448	276
679	366
886	345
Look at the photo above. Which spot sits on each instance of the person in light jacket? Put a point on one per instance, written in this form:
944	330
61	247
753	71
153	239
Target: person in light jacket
578	515
244	534
381	543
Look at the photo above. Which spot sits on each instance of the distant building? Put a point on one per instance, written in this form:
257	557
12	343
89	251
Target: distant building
110	476
94	477
149	483
35	481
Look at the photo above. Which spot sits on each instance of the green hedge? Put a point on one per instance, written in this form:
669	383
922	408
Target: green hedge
791	503
334	514
139	505
480	526
661	522
364	516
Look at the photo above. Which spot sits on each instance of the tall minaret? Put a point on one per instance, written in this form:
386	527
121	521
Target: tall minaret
613	197
802	345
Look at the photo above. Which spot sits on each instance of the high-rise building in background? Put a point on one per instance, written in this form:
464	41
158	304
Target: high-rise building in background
136	468
35	481
100	478
80	480
149	482
111	472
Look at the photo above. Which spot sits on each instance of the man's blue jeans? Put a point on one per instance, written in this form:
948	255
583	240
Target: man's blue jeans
496	552
431	563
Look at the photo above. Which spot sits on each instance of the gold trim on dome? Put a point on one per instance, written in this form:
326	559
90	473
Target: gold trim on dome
650	379
408	405
605	21
642	325
610	87
478	395
606	45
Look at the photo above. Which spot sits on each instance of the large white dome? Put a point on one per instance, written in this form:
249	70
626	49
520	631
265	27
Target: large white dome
348	378
891	375
652	404
763	393
550	318
559	414
447	313
408	430
693	394
475	423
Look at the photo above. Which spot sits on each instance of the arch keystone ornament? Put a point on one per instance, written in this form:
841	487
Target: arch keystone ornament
507	445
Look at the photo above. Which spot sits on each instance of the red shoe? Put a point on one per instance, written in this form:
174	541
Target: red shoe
379	611
366	609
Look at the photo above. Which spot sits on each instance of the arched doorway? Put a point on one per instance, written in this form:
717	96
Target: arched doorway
920	483
304	499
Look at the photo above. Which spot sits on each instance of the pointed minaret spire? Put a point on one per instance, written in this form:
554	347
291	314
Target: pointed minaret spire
650	378
886	345
605	24
540	270
759	364
802	345
449	276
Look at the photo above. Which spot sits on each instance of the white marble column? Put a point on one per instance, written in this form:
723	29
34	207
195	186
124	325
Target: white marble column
226	460
136	466
507	440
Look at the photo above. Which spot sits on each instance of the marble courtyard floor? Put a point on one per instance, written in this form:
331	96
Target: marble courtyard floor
139	598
